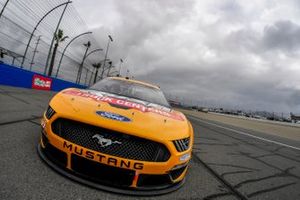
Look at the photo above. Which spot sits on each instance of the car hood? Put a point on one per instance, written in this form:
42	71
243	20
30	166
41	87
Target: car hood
121	114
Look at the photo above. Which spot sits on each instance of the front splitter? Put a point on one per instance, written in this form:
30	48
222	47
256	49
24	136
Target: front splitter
135	192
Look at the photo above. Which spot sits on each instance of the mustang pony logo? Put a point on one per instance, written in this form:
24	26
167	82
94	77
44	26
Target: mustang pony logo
105	142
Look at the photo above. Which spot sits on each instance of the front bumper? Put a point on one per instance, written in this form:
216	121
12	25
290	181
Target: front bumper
106	177
82	178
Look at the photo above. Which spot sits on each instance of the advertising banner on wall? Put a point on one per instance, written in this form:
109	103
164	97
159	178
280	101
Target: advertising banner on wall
17	77
41	83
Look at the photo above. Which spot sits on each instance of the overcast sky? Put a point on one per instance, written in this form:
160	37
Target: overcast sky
240	54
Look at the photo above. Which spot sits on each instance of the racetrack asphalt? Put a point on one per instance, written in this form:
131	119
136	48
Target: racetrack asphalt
225	164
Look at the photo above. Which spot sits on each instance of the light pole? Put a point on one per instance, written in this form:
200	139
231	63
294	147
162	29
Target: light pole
107	47
121	61
109	68
3	8
103	69
87	45
34	52
63	53
53	38
32	33
84	58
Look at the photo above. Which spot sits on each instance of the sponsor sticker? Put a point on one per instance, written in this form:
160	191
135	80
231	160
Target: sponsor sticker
113	116
125	103
41	83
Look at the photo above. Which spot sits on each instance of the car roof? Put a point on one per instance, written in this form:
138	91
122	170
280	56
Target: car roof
135	81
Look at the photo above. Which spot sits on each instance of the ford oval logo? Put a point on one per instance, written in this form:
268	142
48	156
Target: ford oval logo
113	116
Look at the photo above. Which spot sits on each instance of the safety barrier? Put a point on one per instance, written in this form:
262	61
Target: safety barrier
14	76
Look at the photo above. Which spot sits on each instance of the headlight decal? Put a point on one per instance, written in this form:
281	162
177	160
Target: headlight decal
185	157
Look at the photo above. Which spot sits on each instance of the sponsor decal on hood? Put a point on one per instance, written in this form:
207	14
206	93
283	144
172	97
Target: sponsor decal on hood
113	116
99	97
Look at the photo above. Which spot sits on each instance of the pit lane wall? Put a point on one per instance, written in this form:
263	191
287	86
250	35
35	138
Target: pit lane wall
14	76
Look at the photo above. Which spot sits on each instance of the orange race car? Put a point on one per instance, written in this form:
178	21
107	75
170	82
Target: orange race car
119	135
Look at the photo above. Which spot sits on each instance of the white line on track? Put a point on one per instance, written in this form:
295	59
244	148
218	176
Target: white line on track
247	134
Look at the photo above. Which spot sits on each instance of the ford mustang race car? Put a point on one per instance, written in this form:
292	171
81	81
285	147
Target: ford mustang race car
119	135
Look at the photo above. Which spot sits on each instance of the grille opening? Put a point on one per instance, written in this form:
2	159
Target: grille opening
49	113
148	180
177	172
128	146
182	145
102	173
55	155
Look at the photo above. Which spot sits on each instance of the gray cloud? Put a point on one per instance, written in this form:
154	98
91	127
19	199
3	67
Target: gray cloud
282	35
294	98
225	53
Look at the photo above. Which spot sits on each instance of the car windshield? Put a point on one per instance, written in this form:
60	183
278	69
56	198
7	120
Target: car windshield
132	90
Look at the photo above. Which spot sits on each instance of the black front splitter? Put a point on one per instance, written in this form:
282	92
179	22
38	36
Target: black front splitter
134	192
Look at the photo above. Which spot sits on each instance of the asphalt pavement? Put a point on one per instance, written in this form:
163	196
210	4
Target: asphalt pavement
225	165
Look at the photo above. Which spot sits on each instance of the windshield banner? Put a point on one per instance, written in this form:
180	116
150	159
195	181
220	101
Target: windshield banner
125	103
